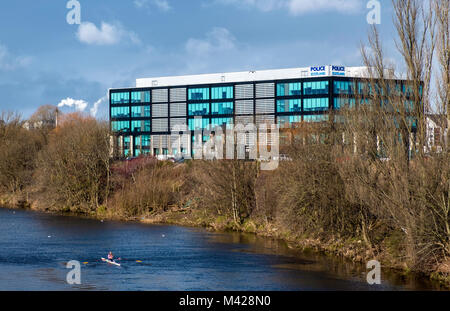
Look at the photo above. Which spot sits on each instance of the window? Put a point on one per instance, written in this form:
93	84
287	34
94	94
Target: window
120	126
289	89
343	87
140	126
222	108
199	94
315	104
409	106
140	97
341	102
287	121
315	88
140	111
198	109
220	122
225	92
316	118
120	98
198	124
120	112
365	88
291	105
126	146
137	142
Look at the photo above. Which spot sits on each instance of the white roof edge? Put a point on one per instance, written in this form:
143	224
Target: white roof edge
260	75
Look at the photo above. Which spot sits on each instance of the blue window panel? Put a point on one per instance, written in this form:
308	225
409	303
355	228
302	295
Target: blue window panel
198	94
140	111
365	101
291	105
126	146
289	89
120	98
220	122
198	109
140	97
224	92
288	121
344	87
340	102
120	126
315	88
315	104
145	140
198	124
140	126
316	118
222	108
409	106
120	112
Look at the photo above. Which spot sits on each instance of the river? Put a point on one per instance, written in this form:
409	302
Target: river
35	247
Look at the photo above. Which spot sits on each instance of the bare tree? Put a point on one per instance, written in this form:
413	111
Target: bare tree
441	8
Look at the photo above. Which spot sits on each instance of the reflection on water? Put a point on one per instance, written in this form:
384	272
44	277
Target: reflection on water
35	248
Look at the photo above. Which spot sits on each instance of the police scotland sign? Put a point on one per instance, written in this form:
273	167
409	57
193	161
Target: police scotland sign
338	70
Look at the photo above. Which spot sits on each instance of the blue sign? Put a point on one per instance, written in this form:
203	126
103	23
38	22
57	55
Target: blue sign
318	71
338	70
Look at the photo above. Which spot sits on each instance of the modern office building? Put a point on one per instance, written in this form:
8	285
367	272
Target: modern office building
142	117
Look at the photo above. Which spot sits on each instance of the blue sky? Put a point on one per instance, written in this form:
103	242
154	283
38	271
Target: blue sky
45	60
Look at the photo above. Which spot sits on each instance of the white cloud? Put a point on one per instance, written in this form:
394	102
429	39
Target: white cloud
306	6
10	62
108	34
217	40
79	105
163	5
298	7
96	105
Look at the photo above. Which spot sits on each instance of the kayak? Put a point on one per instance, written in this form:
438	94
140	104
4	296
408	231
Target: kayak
112	262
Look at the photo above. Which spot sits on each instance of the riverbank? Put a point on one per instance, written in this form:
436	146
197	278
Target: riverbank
348	249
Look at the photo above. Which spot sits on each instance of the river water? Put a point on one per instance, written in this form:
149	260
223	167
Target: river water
35	247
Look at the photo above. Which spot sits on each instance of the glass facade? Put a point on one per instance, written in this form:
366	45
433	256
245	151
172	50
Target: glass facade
140	97
225	92
288	121
340	102
289	105
198	124
120	126
289	89
198	94
140	111
140	126
220	122
222	108
315	104
315	88
120	98
316	118
120	112
198	109
344	87
148	114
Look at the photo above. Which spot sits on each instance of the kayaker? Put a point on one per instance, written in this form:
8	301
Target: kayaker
110	256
